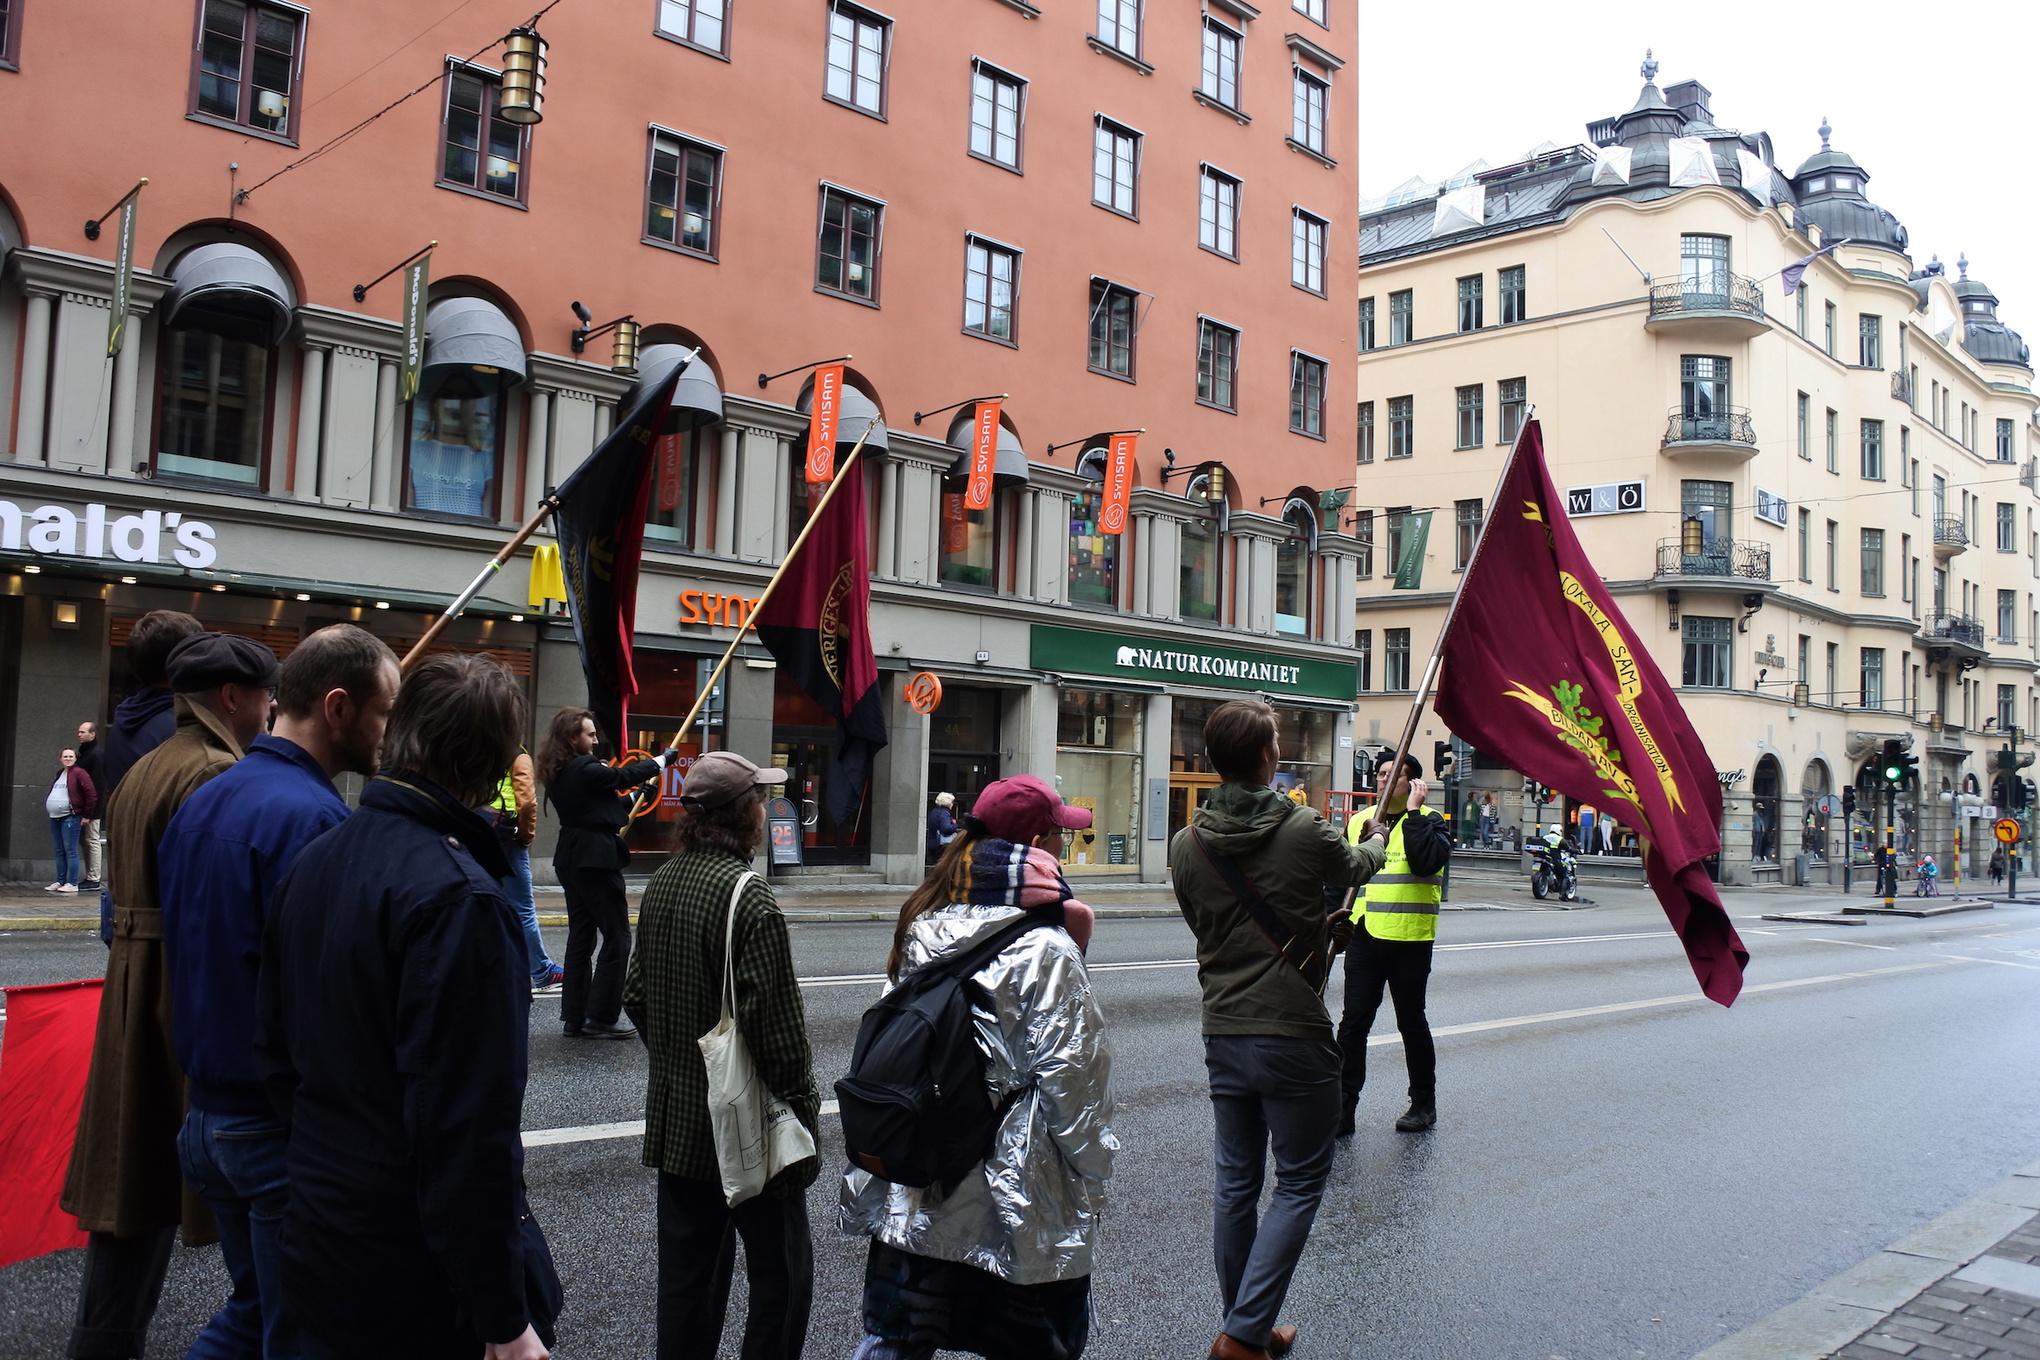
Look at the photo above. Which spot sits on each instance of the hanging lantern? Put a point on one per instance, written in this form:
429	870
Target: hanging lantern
1692	536
623	354
1214	485
1802	694
523	94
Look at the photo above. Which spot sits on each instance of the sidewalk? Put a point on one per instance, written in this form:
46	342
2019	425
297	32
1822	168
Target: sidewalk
1964	1287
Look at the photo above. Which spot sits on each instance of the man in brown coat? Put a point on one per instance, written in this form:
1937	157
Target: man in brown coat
124	1184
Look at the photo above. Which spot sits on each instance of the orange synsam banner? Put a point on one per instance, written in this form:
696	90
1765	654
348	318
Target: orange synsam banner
1118	483
826	413
666	458
984	453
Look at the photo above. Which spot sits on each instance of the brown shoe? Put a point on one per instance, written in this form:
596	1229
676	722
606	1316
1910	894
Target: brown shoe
1281	1340
1229	1347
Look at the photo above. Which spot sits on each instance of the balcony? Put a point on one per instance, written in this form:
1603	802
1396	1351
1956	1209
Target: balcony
1901	387
1953	637
1950	536
1737	561
1726	306
1724	432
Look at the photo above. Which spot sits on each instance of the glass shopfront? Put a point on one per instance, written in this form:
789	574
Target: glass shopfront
667	685
804	745
1097	766
1305	737
963	744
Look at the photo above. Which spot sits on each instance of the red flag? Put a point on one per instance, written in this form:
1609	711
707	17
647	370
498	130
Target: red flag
1118	484
1544	673
826	416
984	454
43	1062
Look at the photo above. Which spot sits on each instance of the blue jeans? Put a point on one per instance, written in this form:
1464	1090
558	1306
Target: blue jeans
236	1164
517	887
64	840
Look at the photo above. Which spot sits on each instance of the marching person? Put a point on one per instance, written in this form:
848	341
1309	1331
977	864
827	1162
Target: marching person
142	722
515	814
592	799
1251	873
1396	921
92	760
393	1027
999	1264
674	996
71	800
124	1182
222	861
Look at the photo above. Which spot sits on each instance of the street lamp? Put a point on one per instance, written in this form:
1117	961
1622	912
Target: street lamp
1692	536
523	93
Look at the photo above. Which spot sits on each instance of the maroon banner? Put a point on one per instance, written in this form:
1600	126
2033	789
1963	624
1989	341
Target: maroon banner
43	1061
1543	673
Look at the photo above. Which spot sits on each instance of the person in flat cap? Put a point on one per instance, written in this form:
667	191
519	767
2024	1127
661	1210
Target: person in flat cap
124	1183
704	894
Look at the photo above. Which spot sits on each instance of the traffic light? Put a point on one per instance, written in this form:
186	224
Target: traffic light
1443	763
1891	767
2022	792
1849	801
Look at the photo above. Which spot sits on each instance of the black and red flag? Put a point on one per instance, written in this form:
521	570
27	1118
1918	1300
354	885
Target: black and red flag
817	623
1544	673
601	523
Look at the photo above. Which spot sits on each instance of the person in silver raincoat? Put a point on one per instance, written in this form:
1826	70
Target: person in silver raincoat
1000	1264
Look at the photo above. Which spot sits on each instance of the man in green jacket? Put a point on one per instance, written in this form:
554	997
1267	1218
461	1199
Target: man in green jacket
1250	874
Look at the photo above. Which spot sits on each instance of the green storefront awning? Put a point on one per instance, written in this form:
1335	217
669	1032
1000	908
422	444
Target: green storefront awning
1119	657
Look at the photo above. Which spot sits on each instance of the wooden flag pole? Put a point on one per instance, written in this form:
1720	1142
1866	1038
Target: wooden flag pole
814	518
466	597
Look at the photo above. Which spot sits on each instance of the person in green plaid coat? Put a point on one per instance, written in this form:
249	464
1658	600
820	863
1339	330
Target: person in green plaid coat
674	996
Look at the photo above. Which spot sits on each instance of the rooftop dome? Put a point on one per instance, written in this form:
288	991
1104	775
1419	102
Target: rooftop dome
1988	340
1829	188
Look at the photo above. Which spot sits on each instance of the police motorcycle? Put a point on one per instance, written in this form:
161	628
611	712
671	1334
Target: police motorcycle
1555	871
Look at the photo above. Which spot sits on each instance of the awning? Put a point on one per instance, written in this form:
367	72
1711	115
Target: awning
468	340
1009	467
697	401
230	290
857	414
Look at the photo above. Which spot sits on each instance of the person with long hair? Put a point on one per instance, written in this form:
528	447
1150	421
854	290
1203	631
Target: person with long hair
593	802
999	1263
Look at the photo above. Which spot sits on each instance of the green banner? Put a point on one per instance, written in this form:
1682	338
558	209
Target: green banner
1080	651
1416	532
415	275
123	278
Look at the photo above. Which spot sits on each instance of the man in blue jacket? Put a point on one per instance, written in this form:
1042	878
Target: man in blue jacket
222	861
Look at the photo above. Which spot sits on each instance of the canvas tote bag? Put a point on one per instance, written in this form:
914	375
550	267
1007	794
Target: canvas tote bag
757	1135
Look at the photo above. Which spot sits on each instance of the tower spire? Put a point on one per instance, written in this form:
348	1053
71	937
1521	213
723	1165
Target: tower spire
1650	67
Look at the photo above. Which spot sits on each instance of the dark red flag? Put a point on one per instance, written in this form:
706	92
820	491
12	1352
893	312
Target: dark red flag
43	1062
818	625
1544	673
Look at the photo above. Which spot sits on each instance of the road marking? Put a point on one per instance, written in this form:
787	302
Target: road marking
1820	939
2006	962
591	1133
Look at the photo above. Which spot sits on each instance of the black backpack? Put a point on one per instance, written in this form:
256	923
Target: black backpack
914	1106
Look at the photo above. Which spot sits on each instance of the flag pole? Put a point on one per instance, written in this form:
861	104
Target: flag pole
814	518
453	611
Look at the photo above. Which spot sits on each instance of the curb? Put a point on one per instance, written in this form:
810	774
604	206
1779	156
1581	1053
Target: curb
1850	1304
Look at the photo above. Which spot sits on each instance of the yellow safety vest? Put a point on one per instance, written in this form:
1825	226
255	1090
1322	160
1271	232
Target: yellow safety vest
1397	903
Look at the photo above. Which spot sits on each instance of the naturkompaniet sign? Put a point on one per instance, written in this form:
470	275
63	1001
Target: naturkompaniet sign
1110	654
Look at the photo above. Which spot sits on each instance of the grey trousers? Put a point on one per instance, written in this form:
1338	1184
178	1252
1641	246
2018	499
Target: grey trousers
1268	1094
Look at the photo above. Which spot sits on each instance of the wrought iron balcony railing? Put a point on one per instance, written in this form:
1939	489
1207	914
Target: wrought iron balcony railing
1949	532
1722	292
1955	628
1722	425
1717	557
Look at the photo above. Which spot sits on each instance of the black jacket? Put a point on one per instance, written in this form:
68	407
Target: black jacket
394	1004
92	760
143	721
585	797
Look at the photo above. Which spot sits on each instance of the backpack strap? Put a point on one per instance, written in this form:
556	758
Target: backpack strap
1287	943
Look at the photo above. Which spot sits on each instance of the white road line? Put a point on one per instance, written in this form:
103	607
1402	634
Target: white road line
1820	939
590	1133
2006	962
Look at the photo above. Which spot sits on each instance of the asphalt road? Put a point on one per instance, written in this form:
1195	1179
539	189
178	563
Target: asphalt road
1608	1179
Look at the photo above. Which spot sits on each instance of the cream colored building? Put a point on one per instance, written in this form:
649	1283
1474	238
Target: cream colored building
1818	508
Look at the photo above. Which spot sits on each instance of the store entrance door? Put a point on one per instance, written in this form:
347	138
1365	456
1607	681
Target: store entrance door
1187	793
806	754
963	744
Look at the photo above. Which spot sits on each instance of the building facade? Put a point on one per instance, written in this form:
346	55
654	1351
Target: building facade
1117	218
1819	507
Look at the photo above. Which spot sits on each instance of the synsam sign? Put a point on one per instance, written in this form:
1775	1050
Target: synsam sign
1088	653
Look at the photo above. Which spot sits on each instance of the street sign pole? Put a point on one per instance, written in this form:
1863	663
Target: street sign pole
1889	876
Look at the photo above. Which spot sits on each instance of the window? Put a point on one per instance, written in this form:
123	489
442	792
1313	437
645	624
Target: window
991	288
1703	270
1218	212
10	35
698	23
1912	469
1307	235
1119	25
969	544
483	151
1221	78
455	460
1905	557
1805	427
1112	329
1366	324
857	55
1402	317
1115	163
1472	416
1870	341
1198	569
681	491
1707	643
1833	534
2004	440
1306	395
683	197
1514	395
1806	660
1366	423
213	398
1292	574
1806	546
998	103
847	260
1799	323
248	63
1363	649
2007	709
1873	677
1833	428
1833	654
1828	340
1217	363
1704	397
1465	532
2007	527
2008	604
1712	503
1307	111
1395	660
1872	440
1515	300
1402	433
1873	561
1313	10
1363	532
1397	520
1094	556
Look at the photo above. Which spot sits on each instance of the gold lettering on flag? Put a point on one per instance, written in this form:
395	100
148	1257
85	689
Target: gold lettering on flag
1588	743
1629	682
822	422
832	627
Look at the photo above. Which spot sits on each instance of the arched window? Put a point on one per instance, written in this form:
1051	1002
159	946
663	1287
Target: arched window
969	539
227	310
1814	786
1094	556
1200	570
474	355
1764	787
856	414
1292	566
680	511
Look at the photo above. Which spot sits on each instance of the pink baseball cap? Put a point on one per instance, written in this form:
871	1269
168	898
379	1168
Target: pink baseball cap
1023	807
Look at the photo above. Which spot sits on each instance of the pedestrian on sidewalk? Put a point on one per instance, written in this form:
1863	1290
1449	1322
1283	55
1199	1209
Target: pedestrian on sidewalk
71	800
141	722
514	814
222	861
1250	874
1997	864
124	1182
999	1264
1928	876
674	995
941	825
393	1026
1395	923
92	760
593	801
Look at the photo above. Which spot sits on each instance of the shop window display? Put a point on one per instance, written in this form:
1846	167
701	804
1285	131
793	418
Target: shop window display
968	541
1094	556
1097	766
667	686
1198	570
214	407
456	447
680	490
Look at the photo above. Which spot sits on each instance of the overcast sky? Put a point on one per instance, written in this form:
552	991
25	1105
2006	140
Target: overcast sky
1937	104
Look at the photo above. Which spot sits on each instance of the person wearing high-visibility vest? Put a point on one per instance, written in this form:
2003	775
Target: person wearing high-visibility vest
1395	923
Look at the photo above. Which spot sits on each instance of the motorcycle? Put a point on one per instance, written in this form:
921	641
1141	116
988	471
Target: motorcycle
1555	871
